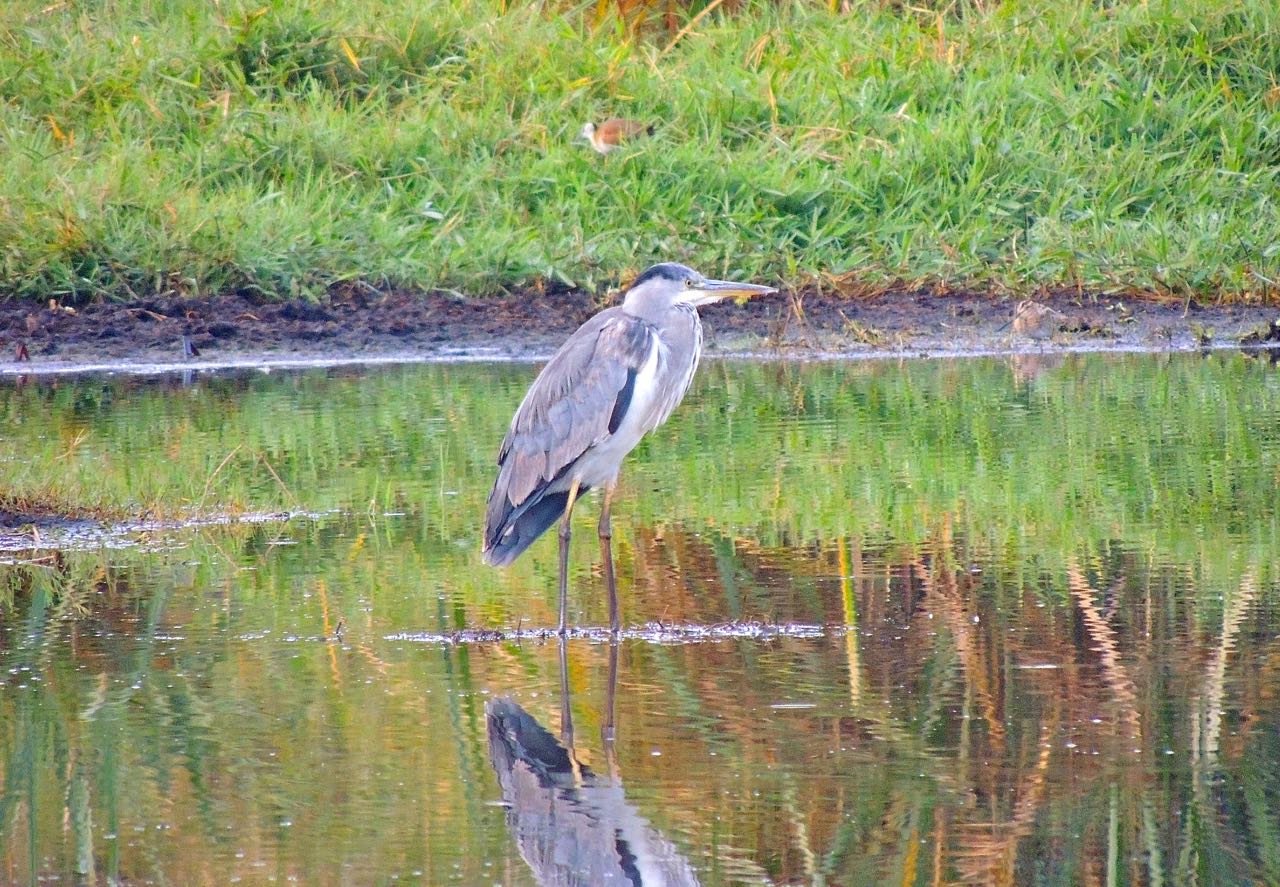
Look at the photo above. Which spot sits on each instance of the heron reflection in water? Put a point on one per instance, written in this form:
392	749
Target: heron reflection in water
574	826
618	377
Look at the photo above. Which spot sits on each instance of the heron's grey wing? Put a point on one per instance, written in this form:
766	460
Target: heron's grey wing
577	400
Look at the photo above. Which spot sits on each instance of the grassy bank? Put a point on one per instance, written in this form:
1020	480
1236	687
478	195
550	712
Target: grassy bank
200	147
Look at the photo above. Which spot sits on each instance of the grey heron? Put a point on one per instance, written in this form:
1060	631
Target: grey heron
618	377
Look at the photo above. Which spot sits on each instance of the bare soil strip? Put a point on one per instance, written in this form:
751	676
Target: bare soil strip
355	325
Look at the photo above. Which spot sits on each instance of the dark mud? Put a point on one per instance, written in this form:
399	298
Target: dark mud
364	324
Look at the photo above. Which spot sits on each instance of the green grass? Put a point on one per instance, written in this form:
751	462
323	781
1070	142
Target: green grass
285	149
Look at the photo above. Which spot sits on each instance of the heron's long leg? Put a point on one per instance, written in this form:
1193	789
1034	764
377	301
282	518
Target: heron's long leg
608	729
564	558
606	552
566	714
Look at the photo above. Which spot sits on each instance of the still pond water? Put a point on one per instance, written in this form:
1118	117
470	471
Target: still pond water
1031	609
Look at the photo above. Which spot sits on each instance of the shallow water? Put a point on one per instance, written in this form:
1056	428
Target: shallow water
951	621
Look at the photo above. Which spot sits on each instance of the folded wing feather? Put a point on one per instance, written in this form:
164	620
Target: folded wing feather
577	401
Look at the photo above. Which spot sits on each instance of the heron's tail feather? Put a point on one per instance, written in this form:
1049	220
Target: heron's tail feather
523	526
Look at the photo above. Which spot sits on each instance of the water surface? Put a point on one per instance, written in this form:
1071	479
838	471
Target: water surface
1039	597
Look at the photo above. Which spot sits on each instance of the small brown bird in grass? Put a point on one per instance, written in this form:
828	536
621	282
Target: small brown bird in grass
1036	321
613	133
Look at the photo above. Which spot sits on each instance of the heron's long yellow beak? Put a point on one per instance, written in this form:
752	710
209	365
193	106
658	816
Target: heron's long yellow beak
714	290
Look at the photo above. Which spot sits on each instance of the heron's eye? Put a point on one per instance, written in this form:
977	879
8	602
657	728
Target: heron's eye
689	283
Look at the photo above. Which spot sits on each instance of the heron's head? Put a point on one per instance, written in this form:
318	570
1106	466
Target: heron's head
671	283
588	130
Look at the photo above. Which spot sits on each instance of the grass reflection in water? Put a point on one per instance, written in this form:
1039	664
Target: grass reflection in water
1052	600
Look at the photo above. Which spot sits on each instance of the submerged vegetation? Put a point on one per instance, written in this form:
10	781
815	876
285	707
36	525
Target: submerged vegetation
289	148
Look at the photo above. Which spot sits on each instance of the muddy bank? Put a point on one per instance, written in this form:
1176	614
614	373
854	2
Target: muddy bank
367	324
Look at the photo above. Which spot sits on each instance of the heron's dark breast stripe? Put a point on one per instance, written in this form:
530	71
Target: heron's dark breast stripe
623	402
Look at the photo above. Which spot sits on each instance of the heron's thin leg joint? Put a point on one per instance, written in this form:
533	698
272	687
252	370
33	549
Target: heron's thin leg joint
568	512
606	522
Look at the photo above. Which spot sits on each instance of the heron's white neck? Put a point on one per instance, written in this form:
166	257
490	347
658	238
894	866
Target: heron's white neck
649	301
